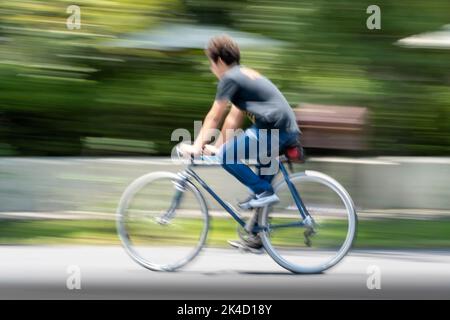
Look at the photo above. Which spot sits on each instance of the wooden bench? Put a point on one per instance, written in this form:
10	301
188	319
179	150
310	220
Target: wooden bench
333	127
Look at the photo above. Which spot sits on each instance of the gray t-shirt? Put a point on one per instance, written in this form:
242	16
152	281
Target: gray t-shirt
259	98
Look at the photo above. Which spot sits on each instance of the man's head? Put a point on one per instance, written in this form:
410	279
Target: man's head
223	53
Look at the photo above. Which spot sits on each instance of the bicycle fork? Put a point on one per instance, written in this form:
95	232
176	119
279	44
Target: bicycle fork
180	187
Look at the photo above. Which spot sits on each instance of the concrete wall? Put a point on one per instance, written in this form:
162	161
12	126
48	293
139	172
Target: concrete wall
65	184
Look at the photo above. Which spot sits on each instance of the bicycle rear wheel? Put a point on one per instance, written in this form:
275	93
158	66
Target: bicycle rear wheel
162	221
313	249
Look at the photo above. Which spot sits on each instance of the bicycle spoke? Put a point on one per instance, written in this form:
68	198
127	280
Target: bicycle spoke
319	241
160	228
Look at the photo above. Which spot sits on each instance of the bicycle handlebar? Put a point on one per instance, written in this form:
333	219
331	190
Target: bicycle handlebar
201	160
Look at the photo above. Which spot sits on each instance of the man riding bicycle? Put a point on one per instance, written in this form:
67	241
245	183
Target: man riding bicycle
274	126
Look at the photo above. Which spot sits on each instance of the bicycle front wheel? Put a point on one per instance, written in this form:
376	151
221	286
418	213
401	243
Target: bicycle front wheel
162	221
314	247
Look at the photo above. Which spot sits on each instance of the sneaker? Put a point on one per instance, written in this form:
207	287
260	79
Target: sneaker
245	204
238	244
250	243
264	199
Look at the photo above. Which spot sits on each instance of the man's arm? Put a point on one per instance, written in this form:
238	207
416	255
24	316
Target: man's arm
212	121
233	121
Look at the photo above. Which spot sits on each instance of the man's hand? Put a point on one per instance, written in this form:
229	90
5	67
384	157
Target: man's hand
189	150
210	150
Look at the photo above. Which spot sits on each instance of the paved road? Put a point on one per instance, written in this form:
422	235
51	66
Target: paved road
40	272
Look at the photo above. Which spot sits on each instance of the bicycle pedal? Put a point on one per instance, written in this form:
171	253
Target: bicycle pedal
308	233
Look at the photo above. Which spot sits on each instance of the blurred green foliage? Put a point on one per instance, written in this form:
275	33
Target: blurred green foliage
373	233
60	87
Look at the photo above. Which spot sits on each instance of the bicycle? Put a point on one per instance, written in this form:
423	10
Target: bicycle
311	203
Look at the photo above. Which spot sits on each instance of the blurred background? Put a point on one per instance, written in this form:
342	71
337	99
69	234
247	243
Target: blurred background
374	105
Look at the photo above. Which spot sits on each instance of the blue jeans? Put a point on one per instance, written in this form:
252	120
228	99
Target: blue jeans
260	146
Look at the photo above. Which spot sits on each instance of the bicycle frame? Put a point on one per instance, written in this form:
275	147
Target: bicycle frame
189	172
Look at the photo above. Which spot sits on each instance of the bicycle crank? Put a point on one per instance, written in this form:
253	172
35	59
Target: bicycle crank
308	233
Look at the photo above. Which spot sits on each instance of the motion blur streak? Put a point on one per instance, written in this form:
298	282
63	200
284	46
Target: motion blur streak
85	111
135	70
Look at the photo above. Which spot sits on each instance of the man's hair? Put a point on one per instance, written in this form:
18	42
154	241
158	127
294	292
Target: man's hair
225	48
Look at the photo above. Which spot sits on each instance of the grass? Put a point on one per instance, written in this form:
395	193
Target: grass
375	233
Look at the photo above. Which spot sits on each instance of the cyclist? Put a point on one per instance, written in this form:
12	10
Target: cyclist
274	126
